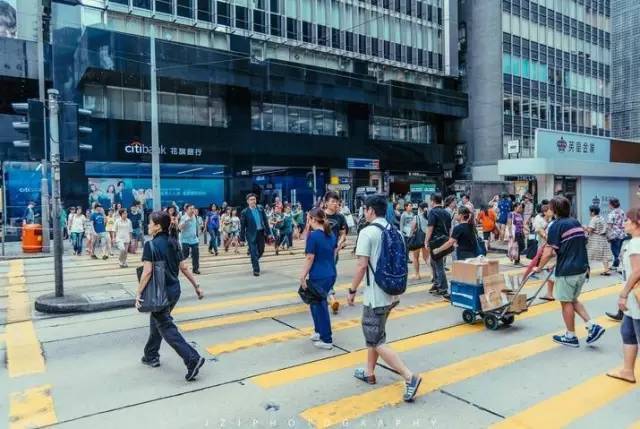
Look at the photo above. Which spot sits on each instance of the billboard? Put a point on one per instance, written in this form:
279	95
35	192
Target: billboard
570	146
112	190
8	19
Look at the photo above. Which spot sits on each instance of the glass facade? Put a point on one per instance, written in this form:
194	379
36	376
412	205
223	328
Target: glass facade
556	68
400	129
407	32
297	120
134	104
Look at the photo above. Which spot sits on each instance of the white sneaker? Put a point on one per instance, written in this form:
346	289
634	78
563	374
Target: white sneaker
315	337
323	345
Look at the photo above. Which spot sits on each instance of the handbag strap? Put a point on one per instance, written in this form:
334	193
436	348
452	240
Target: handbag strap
152	248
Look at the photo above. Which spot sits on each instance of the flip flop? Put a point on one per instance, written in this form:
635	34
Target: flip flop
544	298
618	377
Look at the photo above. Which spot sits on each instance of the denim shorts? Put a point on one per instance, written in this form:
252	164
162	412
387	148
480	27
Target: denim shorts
374	322
630	331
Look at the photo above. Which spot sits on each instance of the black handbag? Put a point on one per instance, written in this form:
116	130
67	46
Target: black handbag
532	248
309	295
154	296
416	240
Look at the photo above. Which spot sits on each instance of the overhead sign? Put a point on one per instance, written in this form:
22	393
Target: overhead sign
513	147
136	147
334	187
423	187
363	164
560	145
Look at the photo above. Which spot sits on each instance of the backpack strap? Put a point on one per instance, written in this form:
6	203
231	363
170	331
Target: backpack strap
370	267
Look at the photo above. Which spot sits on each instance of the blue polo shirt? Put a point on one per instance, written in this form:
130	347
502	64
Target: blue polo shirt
98	222
323	247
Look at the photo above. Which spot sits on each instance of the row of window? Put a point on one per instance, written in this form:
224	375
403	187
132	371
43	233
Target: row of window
399	129
537	71
542	35
528	108
430	10
297	119
575	61
594	14
135	105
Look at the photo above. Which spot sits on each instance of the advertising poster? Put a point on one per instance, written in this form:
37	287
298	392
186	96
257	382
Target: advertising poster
8	19
111	190
634	194
598	191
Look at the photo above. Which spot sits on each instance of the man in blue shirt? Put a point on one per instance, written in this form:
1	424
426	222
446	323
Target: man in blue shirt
566	239
254	229
99	226
189	236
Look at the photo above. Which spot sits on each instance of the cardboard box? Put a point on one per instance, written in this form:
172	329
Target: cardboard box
492	300
474	271
518	302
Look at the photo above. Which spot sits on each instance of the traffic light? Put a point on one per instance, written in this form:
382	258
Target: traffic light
71	119
32	126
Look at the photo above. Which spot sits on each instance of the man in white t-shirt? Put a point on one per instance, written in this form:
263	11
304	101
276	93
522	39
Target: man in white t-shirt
377	303
123	230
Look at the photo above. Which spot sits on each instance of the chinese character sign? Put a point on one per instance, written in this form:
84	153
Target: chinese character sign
570	146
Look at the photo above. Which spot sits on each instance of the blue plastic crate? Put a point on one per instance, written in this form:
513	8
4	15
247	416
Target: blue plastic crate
465	295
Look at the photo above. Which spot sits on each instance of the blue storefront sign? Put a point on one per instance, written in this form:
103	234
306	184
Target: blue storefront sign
570	146
363	164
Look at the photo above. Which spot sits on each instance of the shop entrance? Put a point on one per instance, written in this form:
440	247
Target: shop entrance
567	186
293	185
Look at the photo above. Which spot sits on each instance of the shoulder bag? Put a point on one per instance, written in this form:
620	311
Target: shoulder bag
154	295
416	240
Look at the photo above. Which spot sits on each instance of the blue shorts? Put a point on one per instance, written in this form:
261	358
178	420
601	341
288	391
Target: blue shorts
630	331
137	234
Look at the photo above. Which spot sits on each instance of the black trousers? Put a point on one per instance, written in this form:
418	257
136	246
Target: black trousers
194	250
256	249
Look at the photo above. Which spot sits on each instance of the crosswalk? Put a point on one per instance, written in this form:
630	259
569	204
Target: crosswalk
465	353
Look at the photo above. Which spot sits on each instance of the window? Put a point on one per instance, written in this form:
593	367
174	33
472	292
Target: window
224	13
185	109
201	110
142	4
292	29
93	99
164	6
275	6
322	35
259	21
306	32
242	17
114	95
167	107
399	129
185	8
132	105
204	10
296	119
276	25
335	38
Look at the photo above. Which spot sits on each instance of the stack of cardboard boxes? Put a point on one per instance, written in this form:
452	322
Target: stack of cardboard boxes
498	288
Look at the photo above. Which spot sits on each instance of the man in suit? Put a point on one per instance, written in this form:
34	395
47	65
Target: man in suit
254	229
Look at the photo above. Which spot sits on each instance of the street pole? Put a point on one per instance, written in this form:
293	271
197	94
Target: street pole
315	186
4	207
155	144
44	181
55	187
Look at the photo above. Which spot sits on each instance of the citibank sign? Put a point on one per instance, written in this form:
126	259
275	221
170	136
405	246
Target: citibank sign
141	149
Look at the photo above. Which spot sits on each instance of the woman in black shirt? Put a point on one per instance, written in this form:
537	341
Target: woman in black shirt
166	248
464	236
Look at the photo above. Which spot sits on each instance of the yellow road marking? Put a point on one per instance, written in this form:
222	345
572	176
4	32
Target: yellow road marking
32	408
258	315
560	410
243	301
24	353
635	425
355	406
291	334
312	369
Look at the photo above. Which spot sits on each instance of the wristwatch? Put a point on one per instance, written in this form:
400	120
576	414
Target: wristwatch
352	292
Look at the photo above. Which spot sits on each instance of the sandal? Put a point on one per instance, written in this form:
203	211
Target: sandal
606	273
546	298
620	377
361	375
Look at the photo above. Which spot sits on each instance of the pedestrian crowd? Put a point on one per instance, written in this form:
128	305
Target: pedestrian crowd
390	238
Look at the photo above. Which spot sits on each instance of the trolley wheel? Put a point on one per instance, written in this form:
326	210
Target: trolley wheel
491	322
508	319
468	316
